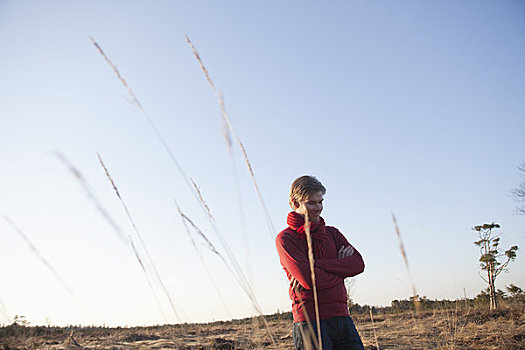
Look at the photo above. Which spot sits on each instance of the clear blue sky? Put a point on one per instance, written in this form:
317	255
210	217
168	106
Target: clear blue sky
408	106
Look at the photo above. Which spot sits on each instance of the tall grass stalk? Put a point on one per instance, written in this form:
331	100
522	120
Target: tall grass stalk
196	194
452	320
239	274
227	130
185	222
242	217
3	311
417	304
465	323
374	328
128	241
227	122
234	269
234	265
312	273
201	234
47	264
92	198
193	189
310	333
141	240
137	103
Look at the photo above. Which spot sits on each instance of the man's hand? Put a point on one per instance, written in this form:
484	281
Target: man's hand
345	251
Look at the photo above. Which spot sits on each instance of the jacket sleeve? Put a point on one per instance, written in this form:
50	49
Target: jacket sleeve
295	261
347	267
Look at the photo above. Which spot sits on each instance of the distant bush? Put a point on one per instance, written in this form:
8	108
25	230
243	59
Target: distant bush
479	301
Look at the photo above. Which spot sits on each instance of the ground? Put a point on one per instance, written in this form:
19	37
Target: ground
439	329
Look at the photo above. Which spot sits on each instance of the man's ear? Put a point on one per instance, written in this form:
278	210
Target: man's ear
295	203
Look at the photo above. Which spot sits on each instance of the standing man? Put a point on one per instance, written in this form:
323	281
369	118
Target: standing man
334	260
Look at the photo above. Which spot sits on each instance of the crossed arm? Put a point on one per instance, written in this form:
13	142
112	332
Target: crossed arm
348	263
344	266
328	272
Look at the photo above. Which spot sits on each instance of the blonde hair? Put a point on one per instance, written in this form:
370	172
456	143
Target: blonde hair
304	186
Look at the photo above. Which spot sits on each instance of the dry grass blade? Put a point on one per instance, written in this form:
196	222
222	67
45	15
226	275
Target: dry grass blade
311	333
89	193
208	211
210	245
4	312
374	328
186	221
312	272
194	190
233	267
401	245
156	272
226	130
417	304
201	199
227	122
116	228
144	113
119	76
238	272
41	257
465	323
231	257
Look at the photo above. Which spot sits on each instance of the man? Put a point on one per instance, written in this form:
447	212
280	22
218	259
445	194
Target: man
334	260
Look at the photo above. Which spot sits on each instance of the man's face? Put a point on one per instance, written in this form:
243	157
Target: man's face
313	205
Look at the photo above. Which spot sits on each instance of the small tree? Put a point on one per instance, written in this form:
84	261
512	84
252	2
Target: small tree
488	246
519	192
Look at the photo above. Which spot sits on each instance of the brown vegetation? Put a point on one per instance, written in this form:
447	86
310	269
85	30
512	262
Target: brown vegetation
439	329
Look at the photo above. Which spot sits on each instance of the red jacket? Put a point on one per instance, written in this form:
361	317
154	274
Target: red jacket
330	273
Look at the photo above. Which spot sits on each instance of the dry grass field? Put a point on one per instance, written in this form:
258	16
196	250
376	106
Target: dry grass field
440	329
